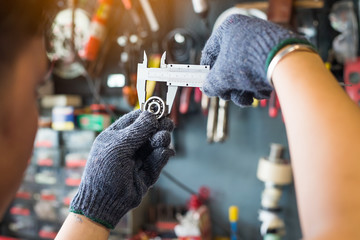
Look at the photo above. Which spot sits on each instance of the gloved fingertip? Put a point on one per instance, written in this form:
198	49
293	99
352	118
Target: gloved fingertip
166	124
242	99
209	88
163	155
161	139
170	152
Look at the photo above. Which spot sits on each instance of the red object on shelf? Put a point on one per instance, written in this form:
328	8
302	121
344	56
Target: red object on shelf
23	195
72	182
44	143
166	225
190	238
352	80
20	211
101	108
8	238
47	234
48	197
194	202
76	163
47	162
66	201
263	102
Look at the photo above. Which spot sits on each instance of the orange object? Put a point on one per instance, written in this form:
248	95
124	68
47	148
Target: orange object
97	30
129	91
130	95
127	4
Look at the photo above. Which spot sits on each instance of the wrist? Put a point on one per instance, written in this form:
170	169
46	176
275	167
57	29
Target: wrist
95	220
278	54
80	227
99	206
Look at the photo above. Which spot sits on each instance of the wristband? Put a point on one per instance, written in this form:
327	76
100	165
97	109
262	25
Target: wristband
282	53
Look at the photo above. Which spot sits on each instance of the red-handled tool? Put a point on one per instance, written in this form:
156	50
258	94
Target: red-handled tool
185	99
273	106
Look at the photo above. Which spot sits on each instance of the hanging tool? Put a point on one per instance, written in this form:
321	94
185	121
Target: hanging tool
212	119
150	16
197	95
135	17
185	100
274	105
97	30
201	7
222	121
205	101
217	125
174	75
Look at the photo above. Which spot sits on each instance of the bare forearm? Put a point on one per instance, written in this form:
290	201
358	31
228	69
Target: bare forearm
324	137
78	227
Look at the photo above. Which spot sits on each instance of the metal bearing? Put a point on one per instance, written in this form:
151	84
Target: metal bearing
156	106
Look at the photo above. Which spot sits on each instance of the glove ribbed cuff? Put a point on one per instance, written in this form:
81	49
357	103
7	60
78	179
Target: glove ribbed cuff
97	207
283	44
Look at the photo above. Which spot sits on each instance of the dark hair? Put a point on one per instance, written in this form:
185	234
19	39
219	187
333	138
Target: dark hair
21	20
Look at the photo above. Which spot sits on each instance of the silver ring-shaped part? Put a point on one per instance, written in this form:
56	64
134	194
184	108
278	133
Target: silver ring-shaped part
156	106
282	53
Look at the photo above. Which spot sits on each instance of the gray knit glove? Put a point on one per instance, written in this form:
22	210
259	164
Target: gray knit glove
125	160
238	53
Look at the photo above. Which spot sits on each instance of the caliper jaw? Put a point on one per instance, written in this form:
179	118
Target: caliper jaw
175	75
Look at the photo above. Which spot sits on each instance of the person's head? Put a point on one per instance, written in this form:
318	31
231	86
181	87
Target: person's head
22	67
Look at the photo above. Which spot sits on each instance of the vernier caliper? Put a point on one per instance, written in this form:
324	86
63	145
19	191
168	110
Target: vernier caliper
175	75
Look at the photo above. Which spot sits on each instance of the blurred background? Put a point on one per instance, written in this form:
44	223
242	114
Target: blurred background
231	176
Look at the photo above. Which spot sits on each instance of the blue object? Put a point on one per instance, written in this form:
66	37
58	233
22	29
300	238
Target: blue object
233	226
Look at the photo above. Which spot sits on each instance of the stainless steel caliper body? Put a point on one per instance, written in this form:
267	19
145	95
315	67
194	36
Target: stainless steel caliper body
175	75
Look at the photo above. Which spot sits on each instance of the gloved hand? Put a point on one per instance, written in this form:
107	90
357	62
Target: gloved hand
238	52
125	160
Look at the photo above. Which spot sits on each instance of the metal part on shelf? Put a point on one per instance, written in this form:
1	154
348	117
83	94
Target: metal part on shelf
275	172
174	75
